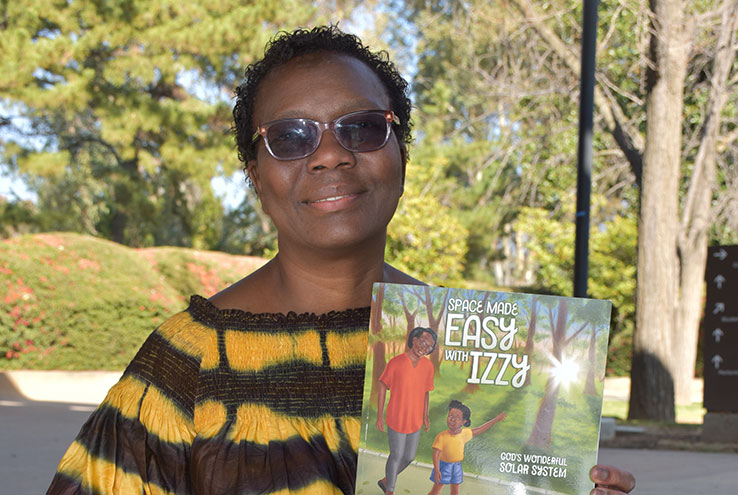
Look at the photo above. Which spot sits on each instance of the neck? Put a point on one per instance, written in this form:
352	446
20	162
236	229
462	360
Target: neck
413	357
310	283
313	281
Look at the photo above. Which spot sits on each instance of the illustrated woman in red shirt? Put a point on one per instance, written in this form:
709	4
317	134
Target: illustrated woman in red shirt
409	377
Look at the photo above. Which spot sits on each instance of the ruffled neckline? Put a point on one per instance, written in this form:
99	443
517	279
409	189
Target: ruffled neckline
206	311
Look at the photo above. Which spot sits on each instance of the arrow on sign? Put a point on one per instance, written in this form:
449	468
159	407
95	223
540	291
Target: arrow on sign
719	281
721	255
719	308
716	360
717	333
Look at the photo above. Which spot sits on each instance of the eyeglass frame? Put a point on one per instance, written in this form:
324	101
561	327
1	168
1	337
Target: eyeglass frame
262	129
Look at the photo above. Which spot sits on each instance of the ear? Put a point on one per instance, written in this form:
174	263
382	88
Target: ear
252	170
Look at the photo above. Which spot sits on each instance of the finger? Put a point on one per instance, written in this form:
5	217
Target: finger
604	490
600	490
612	478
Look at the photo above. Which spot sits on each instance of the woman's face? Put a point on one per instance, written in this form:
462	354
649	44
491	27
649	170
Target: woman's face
333	199
422	344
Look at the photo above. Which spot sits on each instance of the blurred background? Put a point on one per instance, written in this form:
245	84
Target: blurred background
121	193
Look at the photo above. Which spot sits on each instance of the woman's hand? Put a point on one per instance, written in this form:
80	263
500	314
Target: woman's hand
610	480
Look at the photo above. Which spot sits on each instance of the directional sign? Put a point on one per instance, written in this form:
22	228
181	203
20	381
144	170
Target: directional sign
720	254
721	330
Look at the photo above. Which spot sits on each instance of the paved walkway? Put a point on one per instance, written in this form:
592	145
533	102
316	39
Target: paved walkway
670	472
40	413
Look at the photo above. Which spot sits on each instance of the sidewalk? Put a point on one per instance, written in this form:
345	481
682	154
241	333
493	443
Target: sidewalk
676	472
42	412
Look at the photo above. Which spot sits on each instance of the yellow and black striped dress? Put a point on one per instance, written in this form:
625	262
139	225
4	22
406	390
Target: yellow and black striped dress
228	402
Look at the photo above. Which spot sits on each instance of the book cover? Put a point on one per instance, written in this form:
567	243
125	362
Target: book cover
481	392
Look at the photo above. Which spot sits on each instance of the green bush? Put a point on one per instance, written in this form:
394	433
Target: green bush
77	302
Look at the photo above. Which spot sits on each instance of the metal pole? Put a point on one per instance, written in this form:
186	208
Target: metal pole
584	153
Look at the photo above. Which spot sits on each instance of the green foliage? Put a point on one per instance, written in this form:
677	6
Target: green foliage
611	265
18	217
77	302
117	114
424	238
248	230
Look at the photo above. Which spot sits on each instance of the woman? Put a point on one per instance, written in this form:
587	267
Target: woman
409	377
258	390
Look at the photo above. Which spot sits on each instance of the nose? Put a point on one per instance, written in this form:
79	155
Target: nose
330	154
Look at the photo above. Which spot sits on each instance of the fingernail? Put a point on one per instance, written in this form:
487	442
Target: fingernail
599	491
601	474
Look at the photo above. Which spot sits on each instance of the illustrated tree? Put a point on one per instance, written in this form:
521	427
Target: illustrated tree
561	319
532	326
379	360
589	382
410	308
434	309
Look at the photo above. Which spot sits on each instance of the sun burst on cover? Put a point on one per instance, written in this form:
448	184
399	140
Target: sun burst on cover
563	371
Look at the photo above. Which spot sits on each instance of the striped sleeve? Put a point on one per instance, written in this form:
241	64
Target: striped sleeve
139	439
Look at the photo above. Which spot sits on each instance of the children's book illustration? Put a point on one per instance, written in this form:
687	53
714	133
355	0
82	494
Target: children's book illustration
470	392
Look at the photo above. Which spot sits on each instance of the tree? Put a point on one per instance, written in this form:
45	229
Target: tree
117	114
670	263
424	238
471	89
497	129
612	260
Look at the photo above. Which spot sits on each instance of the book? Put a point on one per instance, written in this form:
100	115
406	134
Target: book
513	384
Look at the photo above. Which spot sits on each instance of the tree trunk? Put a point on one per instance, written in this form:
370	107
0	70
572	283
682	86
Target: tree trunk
541	435
657	289
589	386
434	322
676	261
378	351
696	211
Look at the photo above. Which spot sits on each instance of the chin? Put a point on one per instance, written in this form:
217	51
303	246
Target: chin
349	239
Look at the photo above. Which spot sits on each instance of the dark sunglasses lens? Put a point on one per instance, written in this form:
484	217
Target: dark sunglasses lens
291	139
363	132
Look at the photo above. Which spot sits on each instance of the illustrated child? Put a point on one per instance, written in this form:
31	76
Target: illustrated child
448	447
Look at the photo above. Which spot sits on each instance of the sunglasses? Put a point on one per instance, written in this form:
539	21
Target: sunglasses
292	139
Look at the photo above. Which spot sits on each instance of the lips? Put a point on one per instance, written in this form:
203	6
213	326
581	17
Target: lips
332	201
332	198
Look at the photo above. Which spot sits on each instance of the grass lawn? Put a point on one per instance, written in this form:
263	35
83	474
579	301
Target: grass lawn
689	414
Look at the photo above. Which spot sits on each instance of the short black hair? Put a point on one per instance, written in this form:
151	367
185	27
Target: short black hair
465	411
417	332
286	46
